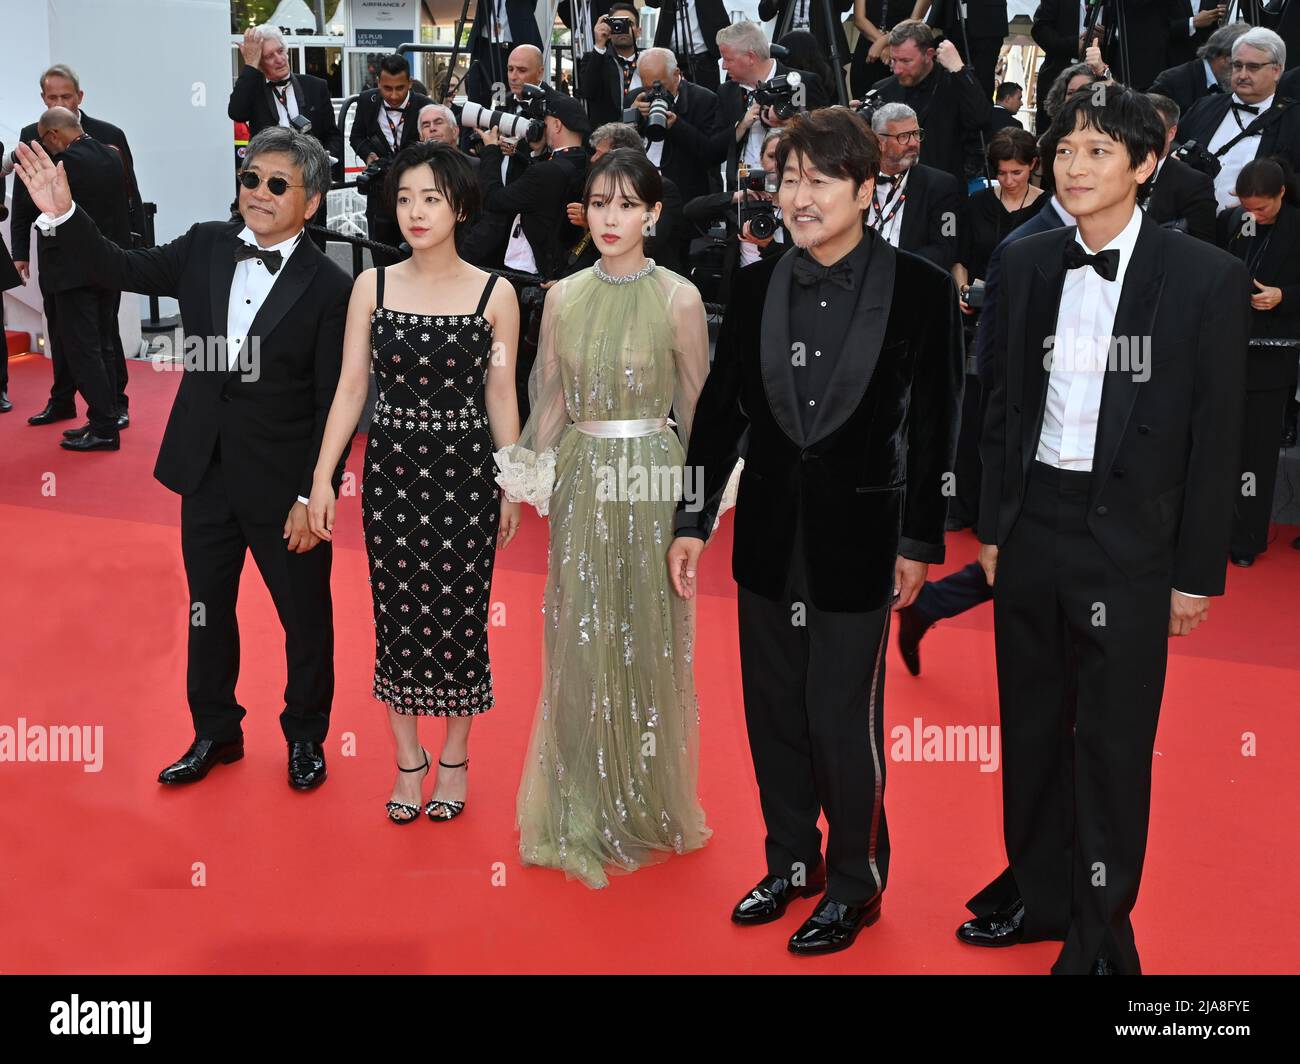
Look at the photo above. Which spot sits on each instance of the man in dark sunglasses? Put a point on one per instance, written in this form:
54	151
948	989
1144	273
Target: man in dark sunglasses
263	311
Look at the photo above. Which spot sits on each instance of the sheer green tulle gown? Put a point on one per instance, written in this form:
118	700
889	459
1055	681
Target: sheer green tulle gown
609	783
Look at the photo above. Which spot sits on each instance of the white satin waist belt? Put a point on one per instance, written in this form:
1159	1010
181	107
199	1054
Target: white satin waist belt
637	426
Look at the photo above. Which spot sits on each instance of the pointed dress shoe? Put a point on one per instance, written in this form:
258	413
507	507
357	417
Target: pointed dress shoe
998	929
50	415
90	442
5	404
306	765
123	422
198	760
769	898
911	627
833	926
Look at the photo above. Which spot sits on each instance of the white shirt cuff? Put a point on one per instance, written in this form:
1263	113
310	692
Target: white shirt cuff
46	224
305	502
1190	595
598	48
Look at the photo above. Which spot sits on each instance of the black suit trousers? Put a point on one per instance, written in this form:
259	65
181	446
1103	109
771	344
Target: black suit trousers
814	689
215	537
87	319
1079	717
1261	439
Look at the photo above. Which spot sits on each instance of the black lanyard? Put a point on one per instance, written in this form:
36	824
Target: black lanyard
396	130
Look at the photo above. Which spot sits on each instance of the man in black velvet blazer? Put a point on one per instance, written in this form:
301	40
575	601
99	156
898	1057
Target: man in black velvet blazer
837	379
1109	466
264	312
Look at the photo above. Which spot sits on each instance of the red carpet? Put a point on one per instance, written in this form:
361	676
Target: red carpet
109	872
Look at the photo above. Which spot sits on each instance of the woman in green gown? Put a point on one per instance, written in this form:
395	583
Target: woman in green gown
609	783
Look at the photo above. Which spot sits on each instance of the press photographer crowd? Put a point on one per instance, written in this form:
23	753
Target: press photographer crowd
919	226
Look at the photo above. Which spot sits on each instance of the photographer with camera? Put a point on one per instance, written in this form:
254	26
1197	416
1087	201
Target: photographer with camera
665	244
678	119
608	73
1222	133
810	15
751	214
386	121
540	230
915	207
1207	74
745	113
500	29
949	102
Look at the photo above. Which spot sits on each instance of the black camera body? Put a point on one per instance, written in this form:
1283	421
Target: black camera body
301	123
973	294
760	214
371	180
869	104
661	102
783	93
1195	156
619	24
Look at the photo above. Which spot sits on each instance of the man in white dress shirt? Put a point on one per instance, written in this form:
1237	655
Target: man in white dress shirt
264	312
1108	480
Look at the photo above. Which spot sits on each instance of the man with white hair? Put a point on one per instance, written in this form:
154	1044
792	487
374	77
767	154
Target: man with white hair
268	93
1254	121
681	150
438	122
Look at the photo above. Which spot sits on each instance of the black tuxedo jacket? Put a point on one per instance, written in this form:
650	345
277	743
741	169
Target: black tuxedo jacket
1001	118
875	459
1278	267
600	83
98	185
367	136
1280	137
252	101
1056	31
24	212
270	428
1165	463
780	9
9	276
539	196
1184	84
1182	42
1183	194
932	214
522	16
712	16
688	143
1138	53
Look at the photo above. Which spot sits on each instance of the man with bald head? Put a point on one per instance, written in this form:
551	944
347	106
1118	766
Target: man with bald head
681	150
87	315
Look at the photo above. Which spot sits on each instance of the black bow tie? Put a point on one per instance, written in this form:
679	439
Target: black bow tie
887	179
808	272
1214	88
282	84
1253	108
1106	263
272	260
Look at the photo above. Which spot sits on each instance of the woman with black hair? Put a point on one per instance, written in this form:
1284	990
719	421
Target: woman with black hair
610	777
1264	232
441	337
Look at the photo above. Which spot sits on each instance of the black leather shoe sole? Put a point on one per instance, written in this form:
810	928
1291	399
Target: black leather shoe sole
225	759
817	949
810	891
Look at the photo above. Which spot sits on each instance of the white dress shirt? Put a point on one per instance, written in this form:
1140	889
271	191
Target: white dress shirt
1238	155
885	215
391	121
287	109
1084	325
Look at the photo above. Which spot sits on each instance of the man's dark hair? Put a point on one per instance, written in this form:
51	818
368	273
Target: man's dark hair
833	139
625	170
1169	110
1120	113
1006	90
453	177
394	64
628	6
1012	143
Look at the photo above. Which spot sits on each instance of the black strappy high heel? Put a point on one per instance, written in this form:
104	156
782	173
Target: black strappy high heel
414	810
439	809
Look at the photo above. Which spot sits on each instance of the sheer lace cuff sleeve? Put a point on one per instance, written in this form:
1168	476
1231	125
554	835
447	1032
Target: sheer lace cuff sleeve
526	476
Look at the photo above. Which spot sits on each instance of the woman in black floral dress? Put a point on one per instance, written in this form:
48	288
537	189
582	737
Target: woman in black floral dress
432	513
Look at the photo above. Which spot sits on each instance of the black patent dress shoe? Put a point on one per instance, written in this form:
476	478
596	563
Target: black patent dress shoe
1243	560
1004	928
198	760
80	430
1101	966
5	404
91	442
123	421
767	901
833	926
306	765
911	627
50	415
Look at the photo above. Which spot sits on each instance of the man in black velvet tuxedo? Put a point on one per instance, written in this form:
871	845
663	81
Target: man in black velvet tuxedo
264	311
1109	457
837	379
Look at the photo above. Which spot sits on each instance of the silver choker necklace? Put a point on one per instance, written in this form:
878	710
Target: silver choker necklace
628	278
